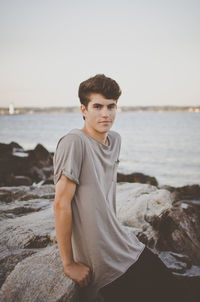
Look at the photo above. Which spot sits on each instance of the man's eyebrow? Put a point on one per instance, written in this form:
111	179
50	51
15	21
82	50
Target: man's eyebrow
97	104
103	105
112	104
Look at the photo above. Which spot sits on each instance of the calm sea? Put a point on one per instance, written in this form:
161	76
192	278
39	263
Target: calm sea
165	145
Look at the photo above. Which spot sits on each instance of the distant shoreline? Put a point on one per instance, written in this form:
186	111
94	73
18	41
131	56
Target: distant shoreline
74	109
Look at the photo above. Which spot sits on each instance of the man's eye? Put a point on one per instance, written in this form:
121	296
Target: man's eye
97	106
111	106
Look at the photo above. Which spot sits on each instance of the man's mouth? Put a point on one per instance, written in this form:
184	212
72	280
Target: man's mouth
105	122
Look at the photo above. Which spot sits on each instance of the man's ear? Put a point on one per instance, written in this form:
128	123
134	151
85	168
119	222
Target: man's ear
83	109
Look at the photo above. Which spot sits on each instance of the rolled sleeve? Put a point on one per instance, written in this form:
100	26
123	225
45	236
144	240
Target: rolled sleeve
68	158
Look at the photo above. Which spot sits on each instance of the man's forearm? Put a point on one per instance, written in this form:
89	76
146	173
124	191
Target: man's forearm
63	226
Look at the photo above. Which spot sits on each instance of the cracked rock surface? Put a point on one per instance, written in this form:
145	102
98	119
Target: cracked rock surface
31	268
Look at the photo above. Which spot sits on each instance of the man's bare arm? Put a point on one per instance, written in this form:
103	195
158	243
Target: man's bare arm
65	190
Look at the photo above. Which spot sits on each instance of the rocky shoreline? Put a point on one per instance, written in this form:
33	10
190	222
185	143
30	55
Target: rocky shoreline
19	167
166	219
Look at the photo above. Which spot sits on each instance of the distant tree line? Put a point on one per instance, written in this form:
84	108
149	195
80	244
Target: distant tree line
32	110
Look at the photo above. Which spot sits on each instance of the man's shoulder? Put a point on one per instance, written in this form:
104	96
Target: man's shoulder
73	136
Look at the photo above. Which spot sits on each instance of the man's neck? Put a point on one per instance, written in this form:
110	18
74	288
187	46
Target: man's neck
101	137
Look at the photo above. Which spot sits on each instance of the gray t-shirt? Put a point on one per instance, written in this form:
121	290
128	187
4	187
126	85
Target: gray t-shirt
99	240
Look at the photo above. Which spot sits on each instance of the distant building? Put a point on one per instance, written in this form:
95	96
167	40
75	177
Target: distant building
194	109
11	109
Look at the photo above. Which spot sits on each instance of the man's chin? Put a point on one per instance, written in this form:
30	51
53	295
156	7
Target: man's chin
104	129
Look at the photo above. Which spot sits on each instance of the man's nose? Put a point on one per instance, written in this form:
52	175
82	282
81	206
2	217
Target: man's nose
105	111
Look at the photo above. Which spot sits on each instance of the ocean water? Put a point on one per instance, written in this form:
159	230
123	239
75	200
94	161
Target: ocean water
165	145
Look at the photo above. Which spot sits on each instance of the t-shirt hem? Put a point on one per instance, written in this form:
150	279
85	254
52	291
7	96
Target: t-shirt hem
120	274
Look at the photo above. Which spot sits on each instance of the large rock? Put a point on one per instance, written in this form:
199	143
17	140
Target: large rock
12	194
137	207
178	230
35	230
184	193
137	177
7	149
39	278
20	167
29	256
159	221
40	156
33	223
9	259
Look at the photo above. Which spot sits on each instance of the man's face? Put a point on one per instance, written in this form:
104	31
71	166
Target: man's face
100	113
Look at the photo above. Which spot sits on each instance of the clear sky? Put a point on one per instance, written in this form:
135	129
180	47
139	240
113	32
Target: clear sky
151	47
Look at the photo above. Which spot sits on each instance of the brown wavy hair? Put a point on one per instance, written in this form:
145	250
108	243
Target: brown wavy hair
98	84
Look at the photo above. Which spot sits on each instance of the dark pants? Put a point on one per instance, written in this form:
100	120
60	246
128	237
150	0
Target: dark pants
148	279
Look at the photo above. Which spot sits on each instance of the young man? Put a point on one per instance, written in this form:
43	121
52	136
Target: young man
96	251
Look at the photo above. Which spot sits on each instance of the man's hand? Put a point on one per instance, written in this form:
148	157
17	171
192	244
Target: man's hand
78	272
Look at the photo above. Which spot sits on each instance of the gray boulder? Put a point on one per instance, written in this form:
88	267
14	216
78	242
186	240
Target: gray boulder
40	278
9	259
137	207
30	259
32	225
